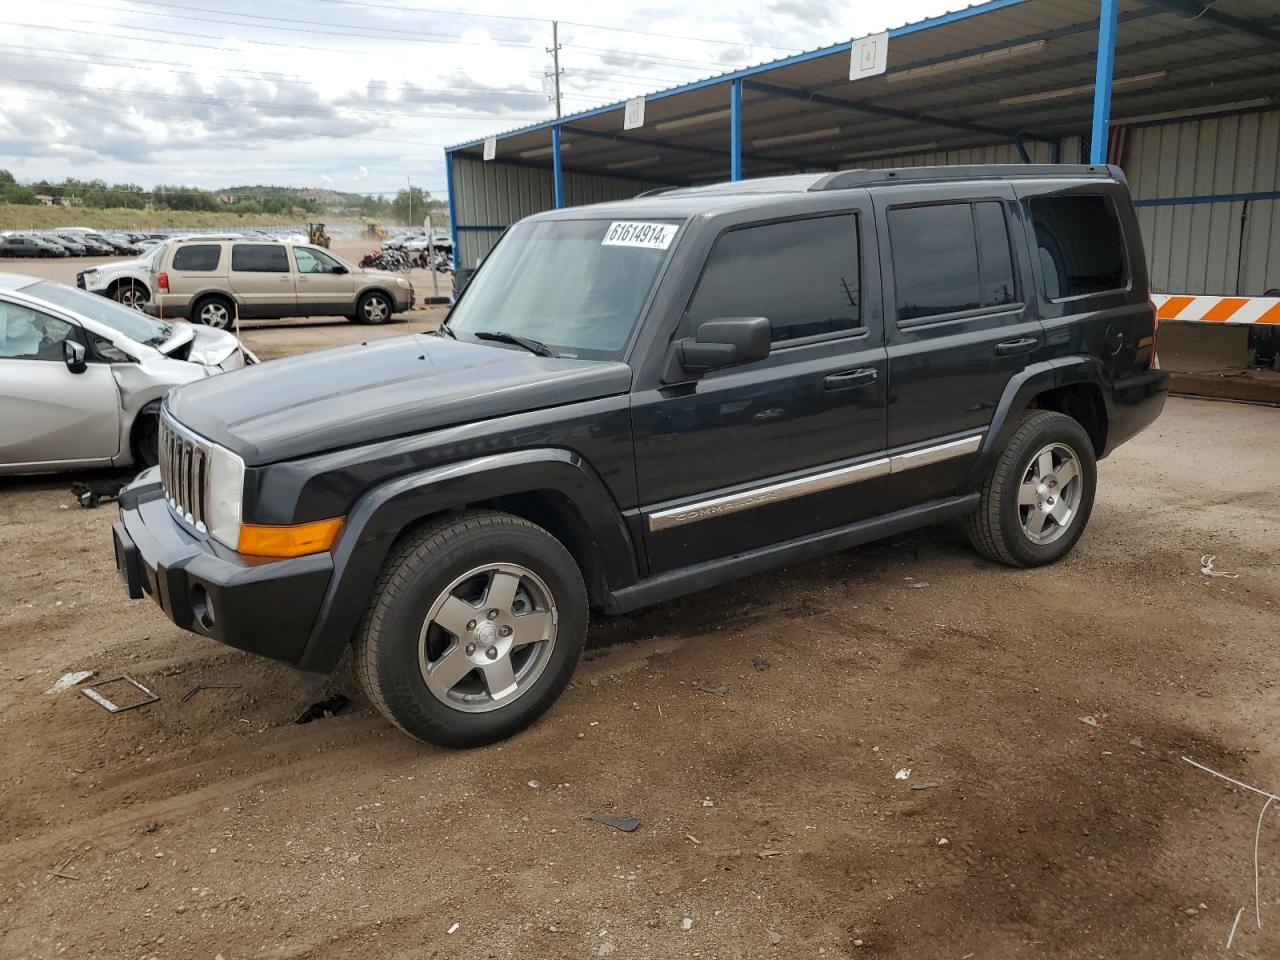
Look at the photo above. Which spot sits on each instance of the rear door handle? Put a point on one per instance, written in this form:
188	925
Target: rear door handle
1010	347
848	379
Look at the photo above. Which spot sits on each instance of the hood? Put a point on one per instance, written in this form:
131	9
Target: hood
199	344
347	396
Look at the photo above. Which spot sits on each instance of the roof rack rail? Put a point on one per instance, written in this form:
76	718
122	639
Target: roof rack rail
847	179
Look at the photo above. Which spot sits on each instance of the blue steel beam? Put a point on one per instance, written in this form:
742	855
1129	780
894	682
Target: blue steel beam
557	172
912	116
735	130
1104	71
1203	10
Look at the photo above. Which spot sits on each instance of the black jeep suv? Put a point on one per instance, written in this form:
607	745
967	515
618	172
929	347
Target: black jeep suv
636	400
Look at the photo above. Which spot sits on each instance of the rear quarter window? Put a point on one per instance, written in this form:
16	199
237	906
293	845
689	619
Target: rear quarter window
259	258
1078	244
197	256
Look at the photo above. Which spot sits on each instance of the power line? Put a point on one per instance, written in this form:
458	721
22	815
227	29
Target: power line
640	56
572	23
95	60
257	104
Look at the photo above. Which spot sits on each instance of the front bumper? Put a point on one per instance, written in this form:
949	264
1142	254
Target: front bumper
267	608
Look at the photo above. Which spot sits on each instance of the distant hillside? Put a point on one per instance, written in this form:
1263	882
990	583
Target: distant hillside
39	217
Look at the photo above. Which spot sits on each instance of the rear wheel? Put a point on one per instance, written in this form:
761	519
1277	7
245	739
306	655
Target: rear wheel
214	312
475	628
131	294
373	308
1037	500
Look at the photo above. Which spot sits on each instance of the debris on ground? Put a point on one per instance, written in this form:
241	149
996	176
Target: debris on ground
1090	719
69	680
60	870
943	841
151	827
89	495
903	774
605	949
767	854
761	664
625	824
534	784
686	923
1207	568
324	709
913	582
924	786
124	681
208	686
454	929
774	937
1135	742
705	687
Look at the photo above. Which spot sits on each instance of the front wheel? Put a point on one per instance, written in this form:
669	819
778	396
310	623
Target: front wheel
132	295
474	630
373	308
1037	499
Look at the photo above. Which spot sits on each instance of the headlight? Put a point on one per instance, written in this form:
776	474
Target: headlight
225	495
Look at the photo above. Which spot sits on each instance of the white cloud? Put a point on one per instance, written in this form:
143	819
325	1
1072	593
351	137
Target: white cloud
288	92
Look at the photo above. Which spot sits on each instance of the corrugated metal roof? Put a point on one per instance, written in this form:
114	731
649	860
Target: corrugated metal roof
984	74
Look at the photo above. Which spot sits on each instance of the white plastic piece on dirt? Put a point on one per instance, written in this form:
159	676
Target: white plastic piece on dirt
69	680
1206	567
686	923
454	928
1090	719
902	774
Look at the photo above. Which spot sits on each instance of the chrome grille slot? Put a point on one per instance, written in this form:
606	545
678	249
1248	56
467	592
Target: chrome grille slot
184	473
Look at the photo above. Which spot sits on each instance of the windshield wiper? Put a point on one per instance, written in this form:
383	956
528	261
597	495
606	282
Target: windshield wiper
501	336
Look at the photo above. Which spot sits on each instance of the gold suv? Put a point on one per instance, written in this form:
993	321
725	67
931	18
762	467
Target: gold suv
211	280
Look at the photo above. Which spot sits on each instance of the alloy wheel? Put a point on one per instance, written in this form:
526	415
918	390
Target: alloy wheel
488	637
1049	494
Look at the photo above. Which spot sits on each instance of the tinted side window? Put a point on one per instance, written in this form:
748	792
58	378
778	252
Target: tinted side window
803	275
935	260
994	254
1079	245
259	258
951	257
198	256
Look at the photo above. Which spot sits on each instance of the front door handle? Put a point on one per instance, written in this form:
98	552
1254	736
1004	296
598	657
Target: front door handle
848	379
1010	347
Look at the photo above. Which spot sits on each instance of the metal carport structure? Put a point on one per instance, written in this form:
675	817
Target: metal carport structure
1002	81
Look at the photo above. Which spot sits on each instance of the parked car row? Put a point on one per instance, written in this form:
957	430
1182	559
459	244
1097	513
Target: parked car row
73	242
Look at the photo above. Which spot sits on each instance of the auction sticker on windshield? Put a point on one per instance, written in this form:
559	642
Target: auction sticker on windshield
632	233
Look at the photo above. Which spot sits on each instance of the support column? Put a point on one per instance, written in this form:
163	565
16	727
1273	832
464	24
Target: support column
1103	73
453	209
735	129
557	174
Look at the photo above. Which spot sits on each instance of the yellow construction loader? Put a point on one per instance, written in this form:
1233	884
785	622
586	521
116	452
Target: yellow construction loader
316	234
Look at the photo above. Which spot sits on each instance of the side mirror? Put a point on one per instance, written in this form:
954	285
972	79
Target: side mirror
339	268
724	343
73	355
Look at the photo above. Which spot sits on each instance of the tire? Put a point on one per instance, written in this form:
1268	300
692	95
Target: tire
130	293
407	659
374	307
1017	500
146	441
216	312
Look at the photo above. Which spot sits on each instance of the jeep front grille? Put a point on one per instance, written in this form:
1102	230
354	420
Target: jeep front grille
184	473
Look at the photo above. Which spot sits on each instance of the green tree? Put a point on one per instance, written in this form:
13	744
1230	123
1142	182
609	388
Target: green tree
410	206
6	179
13	193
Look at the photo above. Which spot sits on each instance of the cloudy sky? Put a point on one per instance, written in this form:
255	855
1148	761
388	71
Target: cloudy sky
353	94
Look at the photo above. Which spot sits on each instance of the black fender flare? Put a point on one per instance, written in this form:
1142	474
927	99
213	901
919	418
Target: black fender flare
1017	398
380	516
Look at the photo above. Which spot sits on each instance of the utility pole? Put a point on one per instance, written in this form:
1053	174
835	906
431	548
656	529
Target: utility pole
410	183
555	60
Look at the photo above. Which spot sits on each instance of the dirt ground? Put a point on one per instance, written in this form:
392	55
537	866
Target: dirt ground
773	822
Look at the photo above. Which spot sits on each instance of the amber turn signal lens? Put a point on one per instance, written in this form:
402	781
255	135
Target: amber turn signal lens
261	540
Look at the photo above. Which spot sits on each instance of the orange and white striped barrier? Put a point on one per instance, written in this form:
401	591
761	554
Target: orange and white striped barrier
1171	306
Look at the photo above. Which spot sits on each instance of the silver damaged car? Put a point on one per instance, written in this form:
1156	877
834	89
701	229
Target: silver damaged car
82	377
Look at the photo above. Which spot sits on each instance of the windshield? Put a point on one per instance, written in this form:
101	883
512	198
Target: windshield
134	325
576	285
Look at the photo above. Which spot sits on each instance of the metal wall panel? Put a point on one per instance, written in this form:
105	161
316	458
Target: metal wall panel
492	196
1225	247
